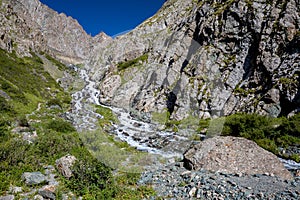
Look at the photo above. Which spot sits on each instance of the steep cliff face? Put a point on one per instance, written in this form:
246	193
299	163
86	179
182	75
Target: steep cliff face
206	58
28	24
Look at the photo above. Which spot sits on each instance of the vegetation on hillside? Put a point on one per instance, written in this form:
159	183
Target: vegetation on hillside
270	133
31	100
124	65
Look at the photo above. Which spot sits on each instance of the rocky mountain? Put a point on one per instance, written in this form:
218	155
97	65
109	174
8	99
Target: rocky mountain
206	59
29	25
192	58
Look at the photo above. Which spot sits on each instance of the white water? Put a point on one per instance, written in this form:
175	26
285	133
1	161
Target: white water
143	136
290	164
136	133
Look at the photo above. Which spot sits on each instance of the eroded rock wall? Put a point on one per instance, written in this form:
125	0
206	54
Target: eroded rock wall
206	58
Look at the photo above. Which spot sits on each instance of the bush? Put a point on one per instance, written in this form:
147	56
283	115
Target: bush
5	107
54	102
251	126
22	121
291	126
269	133
89	176
60	126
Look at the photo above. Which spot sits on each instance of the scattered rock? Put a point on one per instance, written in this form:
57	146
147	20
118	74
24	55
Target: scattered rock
38	197
64	165
48	192
29	136
33	178
8	197
233	155
202	184
15	190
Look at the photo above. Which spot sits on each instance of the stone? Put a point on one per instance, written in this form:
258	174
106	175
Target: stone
47	192
15	190
192	192
64	165
8	197
33	178
233	155
38	197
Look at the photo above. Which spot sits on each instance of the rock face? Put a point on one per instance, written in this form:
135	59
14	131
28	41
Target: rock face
233	155
206	58
28	24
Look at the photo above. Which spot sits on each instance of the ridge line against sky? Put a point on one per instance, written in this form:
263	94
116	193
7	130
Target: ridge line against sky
111	17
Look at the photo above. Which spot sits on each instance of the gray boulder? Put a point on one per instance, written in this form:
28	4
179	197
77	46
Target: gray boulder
233	155
33	178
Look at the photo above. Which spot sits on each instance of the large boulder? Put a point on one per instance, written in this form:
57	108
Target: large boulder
233	155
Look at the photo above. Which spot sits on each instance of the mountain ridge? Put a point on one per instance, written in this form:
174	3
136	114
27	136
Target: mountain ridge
33	25
204	58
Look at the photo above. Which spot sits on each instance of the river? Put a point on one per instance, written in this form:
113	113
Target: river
139	134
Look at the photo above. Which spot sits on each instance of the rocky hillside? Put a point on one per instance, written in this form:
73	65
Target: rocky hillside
192	60
28	24
206	59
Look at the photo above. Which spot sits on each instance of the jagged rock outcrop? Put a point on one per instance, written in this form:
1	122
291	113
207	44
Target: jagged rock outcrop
233	155
30	25
206	58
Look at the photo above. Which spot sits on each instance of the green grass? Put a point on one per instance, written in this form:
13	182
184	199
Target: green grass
108	116
27	86
131	63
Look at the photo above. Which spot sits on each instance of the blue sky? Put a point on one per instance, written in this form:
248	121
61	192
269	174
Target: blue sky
112	16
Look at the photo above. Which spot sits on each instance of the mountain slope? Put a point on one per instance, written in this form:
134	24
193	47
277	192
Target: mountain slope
206	59
29	24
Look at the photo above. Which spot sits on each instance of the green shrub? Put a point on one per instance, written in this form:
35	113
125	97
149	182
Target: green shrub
22	121
251	126
5	107
269	133
89	176
61	126
291	126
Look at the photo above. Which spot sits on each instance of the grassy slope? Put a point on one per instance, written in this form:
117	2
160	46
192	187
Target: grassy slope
27	92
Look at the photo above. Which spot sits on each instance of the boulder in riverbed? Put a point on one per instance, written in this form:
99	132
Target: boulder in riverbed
233	155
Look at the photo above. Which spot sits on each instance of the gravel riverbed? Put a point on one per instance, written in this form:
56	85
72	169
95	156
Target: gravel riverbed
175	182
